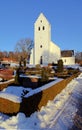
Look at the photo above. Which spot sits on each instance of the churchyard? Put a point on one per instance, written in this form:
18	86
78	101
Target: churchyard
35	85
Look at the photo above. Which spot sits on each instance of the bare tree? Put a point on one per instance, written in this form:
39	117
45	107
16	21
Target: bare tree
11	55
23	48
1	55
5	53
78	57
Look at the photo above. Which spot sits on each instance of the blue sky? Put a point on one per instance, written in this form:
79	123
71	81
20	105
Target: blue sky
17	19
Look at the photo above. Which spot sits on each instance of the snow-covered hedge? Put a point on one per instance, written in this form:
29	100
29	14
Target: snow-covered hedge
34	99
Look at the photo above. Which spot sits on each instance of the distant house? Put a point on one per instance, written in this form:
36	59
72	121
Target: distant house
6	62
68	57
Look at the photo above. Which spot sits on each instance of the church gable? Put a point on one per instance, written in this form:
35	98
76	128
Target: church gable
42	25
42	19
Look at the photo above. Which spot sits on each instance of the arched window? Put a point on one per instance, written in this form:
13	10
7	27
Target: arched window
43	28
41	60
40	46
65	60
38	28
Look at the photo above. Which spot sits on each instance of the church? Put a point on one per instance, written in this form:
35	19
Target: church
44	51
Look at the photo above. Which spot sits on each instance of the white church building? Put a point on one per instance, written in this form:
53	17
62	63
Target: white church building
44	51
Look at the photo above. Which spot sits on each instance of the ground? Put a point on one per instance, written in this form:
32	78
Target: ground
63	113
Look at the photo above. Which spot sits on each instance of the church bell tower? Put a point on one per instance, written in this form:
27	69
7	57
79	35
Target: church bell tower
42	37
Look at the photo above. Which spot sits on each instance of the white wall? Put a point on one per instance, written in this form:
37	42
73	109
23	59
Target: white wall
49	51
68	60
42	38
32	57
55	53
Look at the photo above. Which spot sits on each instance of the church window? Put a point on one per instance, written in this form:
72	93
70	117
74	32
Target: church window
40	46
39	28
43	28
41	21
41	60
65	61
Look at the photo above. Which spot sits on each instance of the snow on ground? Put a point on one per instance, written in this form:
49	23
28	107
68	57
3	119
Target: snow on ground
0	79
8	81
37	90
14	93
57	115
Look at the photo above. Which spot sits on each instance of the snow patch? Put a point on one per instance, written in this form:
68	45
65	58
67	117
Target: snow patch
13	93
56	115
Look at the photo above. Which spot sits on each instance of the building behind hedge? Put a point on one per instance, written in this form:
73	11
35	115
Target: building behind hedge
68	57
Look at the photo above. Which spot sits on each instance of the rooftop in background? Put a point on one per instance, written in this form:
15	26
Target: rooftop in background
67	53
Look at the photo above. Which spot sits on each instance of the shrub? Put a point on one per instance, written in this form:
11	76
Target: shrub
24	62
60	66
17	76
44	74
16	79
38	66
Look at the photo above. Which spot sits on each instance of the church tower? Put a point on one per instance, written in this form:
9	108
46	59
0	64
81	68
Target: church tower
44	51
42	37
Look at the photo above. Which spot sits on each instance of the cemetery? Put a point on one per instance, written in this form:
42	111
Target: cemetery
31	88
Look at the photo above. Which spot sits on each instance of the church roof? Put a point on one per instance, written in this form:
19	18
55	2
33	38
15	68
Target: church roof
67	53
41	17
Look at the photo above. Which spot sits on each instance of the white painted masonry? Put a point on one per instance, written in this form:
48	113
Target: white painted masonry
44	48
68	60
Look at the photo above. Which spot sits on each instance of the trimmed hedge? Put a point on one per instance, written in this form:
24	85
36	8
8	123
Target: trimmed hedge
40	99
50	93
9	107
36	101
5	84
